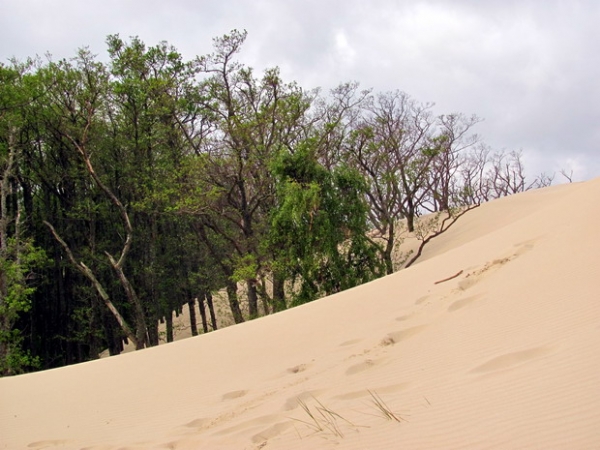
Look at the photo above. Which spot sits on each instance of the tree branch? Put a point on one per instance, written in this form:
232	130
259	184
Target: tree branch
437	233
87	272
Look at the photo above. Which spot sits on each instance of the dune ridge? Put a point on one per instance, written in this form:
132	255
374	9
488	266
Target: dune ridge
504	355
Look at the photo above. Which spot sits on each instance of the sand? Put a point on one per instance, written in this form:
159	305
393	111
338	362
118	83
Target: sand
505	355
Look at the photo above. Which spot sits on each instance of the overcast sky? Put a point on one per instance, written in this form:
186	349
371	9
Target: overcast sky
529	68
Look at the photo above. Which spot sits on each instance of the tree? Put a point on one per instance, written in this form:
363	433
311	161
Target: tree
454	141
393	146
150	94
81	101
334	121
319	227
483	175
244	123
153	182
19	257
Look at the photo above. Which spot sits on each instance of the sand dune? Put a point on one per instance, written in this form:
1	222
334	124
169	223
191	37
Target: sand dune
505	355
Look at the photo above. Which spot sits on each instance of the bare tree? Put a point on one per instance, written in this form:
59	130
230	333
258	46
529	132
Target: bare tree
393	146
336	118
472	185
507	175
454	140
568	176
484	175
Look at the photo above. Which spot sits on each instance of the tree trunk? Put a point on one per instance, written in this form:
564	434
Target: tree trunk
444	204
193	324
389	250
211	310
234	304
252	299
109	304
153	333
141	338
169	320
410	220
264	297
85	270
203	312
140	315
278	292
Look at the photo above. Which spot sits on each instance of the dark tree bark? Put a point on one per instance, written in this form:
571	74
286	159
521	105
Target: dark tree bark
278	292
389	249
233	301
231	286
193	324
252	299
211	309
203	312
153	338
85	270
169	320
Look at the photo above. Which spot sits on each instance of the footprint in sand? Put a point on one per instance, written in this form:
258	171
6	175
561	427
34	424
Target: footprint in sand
271	432
297	369
461	303
403	318
293	402
421	299
513	359
472	278
388	340
524	247
198	423
397	336
465	284
173	445
475	276
360	367
234	394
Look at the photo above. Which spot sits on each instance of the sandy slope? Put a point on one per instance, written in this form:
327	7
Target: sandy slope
506	355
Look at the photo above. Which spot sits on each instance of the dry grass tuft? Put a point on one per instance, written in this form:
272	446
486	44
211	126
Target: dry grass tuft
323	419
384	409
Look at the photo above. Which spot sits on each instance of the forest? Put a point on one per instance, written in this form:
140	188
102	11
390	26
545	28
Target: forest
137	187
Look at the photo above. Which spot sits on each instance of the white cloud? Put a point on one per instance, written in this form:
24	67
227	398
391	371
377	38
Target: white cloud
529	67
344	51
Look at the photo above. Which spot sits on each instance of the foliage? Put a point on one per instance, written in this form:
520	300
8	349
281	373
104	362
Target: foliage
163	179
18	262
320	226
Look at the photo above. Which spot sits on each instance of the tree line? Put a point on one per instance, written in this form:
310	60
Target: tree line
133	188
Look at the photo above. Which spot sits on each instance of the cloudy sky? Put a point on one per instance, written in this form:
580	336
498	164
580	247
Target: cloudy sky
529	68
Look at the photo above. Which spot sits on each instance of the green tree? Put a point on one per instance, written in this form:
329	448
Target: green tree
81	94
19	257
150	96
319	227
245	120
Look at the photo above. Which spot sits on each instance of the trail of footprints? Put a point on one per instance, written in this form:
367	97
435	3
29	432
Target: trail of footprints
280	422
475	276
373	357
